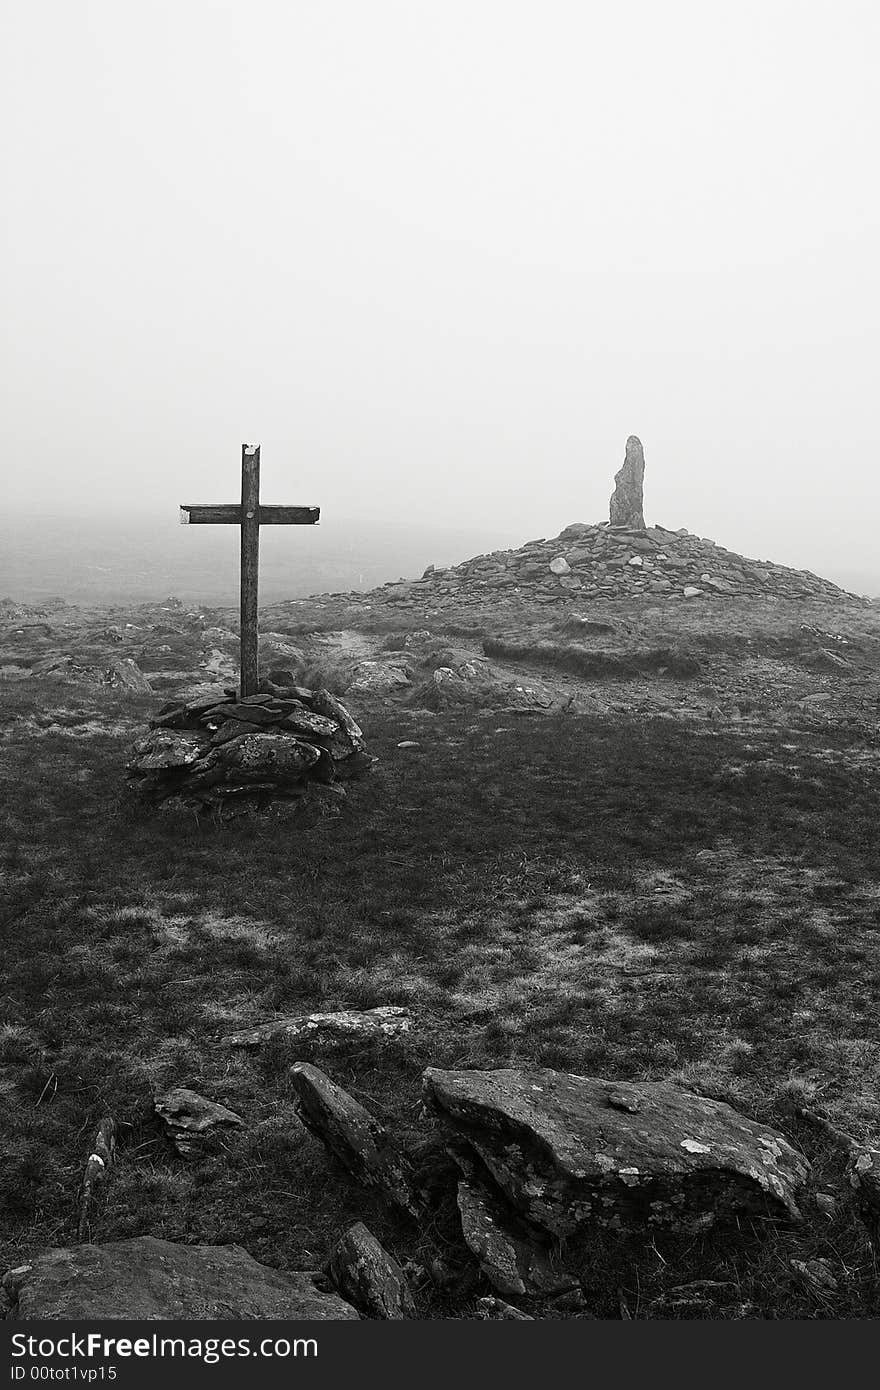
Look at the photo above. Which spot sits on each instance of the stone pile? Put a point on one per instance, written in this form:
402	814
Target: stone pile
213	748
608	562
621	558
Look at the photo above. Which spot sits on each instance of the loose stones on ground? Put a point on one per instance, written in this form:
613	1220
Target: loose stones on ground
192	1120
387	1021
544	1157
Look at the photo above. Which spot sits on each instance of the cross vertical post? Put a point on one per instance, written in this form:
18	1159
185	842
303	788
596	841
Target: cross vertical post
250	560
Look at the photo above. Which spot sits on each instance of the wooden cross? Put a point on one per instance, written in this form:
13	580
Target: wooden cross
250	515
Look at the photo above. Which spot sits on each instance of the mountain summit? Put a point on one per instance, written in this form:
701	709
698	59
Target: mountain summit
618	558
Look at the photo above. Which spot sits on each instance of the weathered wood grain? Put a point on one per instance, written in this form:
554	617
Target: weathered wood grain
229	514
250	563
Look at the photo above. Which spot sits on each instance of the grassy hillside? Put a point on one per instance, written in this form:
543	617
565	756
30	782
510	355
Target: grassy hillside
615	895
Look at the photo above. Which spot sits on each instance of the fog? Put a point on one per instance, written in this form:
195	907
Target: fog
440	260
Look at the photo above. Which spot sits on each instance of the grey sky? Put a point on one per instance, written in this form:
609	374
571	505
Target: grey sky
441	259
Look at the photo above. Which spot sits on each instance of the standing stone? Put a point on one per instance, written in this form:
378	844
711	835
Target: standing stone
627	500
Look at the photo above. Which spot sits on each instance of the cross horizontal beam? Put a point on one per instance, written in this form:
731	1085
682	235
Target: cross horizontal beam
230	513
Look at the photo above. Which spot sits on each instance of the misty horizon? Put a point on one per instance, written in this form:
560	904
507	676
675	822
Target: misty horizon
441	264
102	559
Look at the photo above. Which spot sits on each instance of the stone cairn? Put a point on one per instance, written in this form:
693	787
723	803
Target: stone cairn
214	748
618	558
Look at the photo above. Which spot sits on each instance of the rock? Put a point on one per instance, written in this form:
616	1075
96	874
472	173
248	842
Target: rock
387	1021
379	678
216	663
496	1310
514	1260
303	721
863	1172
191	1119
569	1151
350	739
242	712
215	634
816	1273
476	683
126	675
559	565
162	751
354	1136
232	729
268	757
636	560
626	508
281	676
277	649
691	591
199	698
367	1276
151	1280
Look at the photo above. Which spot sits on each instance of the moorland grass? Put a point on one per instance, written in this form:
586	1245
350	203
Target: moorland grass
538	891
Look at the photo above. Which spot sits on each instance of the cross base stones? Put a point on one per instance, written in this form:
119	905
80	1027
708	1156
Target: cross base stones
218	747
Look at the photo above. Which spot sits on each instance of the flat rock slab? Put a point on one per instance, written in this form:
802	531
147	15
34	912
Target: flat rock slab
369	1277
303	721
354	1136
162	750
388	1021
514	1262
267	756
155	1279
570	1151
191	1119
